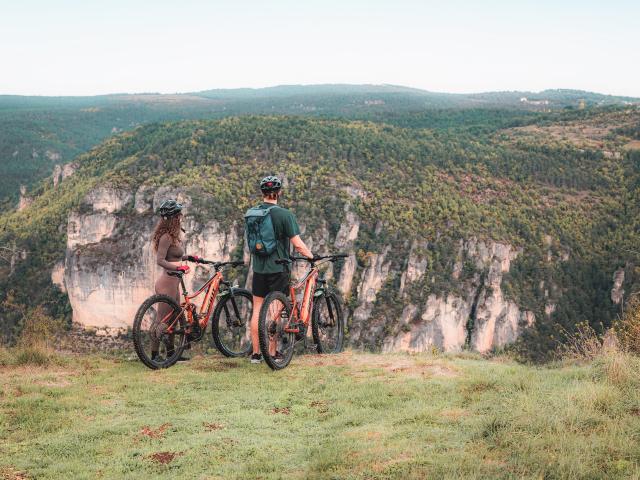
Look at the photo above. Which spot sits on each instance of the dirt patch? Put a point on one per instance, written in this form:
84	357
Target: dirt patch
55	383
403	366
154	433
635	412
364	365
281	410
210	427
8	473
164	458
633	145
454	413
380	467
209	365
320	405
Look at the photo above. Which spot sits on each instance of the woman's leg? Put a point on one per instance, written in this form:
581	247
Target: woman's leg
165	285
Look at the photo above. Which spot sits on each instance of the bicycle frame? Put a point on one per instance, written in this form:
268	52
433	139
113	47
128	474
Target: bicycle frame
212	288
301	312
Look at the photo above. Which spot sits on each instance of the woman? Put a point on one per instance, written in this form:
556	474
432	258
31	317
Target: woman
167	242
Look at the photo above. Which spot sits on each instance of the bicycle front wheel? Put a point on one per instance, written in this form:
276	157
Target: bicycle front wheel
159	332
276	345
327	324
230	322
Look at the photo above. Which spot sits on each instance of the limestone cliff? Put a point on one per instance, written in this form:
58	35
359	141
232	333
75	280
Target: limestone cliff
110	267
473	313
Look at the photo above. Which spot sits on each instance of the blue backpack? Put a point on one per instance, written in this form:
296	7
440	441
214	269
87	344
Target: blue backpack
261	236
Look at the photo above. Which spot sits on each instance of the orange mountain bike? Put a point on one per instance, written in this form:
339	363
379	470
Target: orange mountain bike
162	329
283	321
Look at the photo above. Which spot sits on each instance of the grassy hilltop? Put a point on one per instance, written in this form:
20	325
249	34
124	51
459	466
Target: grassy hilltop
350	416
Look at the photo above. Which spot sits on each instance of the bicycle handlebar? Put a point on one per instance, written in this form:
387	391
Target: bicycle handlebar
218	265
316	258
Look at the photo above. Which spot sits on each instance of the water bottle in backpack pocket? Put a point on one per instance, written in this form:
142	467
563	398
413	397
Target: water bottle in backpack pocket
259	231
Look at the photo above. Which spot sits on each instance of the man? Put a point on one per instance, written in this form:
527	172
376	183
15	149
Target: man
268	276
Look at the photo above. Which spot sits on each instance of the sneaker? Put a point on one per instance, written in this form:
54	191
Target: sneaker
278	356
256	358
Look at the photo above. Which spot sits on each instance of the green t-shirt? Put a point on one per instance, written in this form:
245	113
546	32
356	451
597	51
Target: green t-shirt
286	227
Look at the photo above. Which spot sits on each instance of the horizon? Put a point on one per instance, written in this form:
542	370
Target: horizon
266	87
74	48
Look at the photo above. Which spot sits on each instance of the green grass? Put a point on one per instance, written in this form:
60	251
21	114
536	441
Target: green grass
359	416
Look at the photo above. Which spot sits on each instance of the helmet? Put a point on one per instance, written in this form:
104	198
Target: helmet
270	184
169	208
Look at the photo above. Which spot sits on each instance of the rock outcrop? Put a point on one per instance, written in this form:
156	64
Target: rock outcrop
617	292
344	243
110	267
477	315
24	201
60	172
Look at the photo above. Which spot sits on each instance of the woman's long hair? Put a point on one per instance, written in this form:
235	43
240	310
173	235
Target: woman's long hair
170	226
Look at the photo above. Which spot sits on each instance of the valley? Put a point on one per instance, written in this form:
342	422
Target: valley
457	238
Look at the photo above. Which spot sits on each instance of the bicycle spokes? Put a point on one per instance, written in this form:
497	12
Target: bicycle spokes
280	329
230	330
328	328
160	332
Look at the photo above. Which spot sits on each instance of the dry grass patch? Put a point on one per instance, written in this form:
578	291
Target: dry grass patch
454	414
164	458
9	473
280	410
154	433
210	427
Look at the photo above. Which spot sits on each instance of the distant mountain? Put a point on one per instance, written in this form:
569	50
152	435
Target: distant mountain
38	133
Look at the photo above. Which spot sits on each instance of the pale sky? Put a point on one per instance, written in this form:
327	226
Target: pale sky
88	47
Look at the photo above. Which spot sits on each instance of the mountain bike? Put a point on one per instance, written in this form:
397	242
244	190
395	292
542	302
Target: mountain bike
284	321
163	326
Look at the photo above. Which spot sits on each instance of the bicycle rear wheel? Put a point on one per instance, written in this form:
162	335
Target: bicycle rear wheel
159	332
276	345
230	322
327	324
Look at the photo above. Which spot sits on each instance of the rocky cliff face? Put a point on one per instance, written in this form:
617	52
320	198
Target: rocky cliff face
110	269
60	172
475	314
24	201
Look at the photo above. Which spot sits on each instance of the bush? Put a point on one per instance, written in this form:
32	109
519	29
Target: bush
628	327
36	341
32	356
619	368
583	344
39	330
38	356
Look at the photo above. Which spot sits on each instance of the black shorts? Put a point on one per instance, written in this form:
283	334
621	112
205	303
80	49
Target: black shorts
265	283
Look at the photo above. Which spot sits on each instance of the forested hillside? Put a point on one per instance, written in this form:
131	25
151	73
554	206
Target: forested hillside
37	133
561	190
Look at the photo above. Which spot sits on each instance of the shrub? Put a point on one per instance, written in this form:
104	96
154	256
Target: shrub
583	344
628	327
39	330
32	356
36	341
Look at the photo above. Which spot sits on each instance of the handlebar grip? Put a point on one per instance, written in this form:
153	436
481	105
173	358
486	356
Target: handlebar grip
237	263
